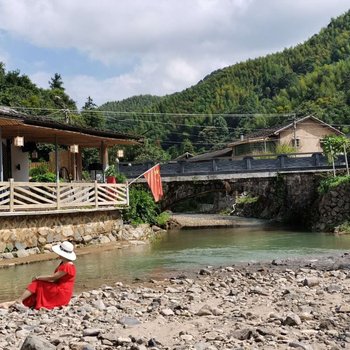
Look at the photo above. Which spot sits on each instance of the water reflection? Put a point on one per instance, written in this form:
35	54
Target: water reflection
179	251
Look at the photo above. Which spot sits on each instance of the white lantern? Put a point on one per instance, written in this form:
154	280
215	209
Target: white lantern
120	153
74	148
18	141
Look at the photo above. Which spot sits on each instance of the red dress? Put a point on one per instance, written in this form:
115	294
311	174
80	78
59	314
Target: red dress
52	294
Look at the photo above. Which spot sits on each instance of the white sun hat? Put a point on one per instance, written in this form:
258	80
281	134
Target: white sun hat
65	249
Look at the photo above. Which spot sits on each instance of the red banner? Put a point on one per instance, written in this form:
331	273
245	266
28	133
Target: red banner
155	182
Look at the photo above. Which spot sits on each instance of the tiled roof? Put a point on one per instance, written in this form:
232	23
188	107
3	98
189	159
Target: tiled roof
6	112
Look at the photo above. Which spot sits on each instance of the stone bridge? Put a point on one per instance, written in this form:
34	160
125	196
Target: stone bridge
185	180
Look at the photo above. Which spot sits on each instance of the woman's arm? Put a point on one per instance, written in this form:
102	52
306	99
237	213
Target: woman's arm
51	278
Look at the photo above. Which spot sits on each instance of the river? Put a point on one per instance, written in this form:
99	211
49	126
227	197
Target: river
180	251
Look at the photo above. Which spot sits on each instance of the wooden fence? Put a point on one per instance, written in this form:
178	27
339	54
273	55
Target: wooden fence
40	196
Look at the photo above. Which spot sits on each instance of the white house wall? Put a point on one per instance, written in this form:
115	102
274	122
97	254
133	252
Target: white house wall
19	160
309	134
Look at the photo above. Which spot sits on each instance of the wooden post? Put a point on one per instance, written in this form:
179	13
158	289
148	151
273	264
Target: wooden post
104	158
12	195
58	196
127	194
346	160
96	194
57	161
333	165
1	159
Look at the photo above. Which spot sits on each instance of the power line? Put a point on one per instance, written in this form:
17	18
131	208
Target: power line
115	115
160	114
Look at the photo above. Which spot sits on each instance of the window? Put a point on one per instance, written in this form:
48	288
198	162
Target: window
296	143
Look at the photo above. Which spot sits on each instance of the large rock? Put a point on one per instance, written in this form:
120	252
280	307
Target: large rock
33	342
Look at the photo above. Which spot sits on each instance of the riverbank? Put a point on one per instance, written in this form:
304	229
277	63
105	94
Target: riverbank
80	251
101	243
302	304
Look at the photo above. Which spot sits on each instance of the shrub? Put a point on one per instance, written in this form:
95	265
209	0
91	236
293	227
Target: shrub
344	227
284	148
162	219
248	199
41	173
120	178
331	182
142	208
111	171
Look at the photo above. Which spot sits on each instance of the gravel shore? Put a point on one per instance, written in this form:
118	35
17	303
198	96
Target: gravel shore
214	220
292	304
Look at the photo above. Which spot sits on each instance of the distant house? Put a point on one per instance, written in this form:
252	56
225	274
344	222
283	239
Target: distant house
304	135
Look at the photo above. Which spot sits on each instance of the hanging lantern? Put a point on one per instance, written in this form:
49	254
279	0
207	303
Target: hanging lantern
74	148
18	141
120	153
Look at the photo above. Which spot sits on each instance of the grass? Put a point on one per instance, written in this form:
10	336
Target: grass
247	199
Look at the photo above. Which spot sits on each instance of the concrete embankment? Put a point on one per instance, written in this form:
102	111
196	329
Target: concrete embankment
280	305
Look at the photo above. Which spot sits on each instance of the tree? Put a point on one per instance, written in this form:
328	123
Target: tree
333	146
150	151
216	134
56	82
91	116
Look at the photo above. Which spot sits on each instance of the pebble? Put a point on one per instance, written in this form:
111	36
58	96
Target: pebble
252	306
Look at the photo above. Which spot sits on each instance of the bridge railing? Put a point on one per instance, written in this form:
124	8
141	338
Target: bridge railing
258	163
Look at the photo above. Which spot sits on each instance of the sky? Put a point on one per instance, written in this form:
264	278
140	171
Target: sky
114	49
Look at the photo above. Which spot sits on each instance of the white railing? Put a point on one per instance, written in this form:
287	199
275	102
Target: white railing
42	196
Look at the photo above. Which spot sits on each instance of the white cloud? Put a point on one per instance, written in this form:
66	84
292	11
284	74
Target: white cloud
174	43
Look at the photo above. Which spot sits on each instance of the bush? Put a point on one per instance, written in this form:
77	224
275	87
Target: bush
41	173
247	199
284	148
344	227
142	208
331	182
120	178
162	219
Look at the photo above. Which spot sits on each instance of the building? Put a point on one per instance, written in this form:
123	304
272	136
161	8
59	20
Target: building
304	135
20	133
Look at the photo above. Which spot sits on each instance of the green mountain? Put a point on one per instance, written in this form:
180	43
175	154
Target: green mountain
310	78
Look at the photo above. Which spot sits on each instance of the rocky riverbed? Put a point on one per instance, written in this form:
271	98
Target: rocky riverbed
277	305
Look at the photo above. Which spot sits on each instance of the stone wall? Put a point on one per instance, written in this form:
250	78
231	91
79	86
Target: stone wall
287	198
294	198
332	209
18	233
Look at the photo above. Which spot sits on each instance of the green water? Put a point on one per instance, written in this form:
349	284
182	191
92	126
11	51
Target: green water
180	251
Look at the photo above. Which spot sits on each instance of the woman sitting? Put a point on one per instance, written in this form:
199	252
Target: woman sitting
52	290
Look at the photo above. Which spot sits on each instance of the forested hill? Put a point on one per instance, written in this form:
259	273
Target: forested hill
311	78
131	104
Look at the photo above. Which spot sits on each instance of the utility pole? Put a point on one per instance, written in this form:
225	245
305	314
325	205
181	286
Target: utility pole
295	132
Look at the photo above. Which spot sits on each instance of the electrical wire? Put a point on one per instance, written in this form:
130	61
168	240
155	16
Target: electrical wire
161	114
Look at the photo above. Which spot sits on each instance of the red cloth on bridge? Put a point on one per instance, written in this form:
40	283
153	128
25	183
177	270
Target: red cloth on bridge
52	294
